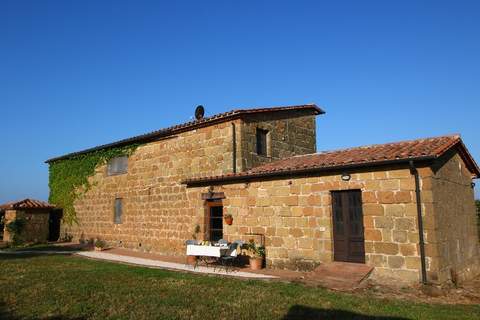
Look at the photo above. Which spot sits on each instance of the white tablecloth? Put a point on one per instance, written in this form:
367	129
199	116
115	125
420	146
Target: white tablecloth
205	251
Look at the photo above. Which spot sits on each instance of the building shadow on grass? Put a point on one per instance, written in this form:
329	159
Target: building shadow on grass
298	312
43	250
5	314
26	255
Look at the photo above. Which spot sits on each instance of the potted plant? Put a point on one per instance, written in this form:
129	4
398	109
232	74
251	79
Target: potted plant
256	255
228	219
100	245
192	260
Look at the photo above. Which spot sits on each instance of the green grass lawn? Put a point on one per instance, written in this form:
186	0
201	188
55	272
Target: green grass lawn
67	287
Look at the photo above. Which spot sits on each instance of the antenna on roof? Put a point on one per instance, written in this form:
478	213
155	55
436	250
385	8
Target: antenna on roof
199	112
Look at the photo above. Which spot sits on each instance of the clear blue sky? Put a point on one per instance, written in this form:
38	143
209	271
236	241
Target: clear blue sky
76	74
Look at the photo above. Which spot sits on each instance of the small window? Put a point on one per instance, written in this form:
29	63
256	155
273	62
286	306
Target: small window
118	211
117	165
262	142
216	223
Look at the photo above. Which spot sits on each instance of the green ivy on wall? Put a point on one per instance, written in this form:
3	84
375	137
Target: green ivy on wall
15	228
68	179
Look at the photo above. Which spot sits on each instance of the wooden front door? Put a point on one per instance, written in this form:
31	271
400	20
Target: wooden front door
348	238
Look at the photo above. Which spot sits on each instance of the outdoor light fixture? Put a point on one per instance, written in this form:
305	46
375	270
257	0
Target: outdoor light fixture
473	184
346	176
210	192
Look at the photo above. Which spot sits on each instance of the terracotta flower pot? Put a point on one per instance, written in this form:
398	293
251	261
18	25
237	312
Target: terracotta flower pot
191	260
229	220
256	263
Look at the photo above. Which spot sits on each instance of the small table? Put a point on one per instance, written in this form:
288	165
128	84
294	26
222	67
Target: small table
204	253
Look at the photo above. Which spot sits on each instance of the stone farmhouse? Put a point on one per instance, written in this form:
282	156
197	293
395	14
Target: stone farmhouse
405	208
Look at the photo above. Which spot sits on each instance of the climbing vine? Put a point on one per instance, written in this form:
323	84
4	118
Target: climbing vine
68	179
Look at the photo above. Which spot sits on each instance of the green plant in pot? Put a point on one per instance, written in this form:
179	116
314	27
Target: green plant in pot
228	219
256	255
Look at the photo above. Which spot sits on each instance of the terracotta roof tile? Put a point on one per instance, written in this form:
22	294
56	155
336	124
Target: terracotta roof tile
421	149
26	204
221	117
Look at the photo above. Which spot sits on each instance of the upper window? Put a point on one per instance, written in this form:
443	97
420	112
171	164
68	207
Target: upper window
117	165
262	142
118	211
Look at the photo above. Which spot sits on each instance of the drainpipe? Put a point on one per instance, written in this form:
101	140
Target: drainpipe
234	147
414	172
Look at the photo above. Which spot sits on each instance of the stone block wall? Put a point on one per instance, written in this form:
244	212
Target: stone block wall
455	246
9	216
158	215
287	136
295	215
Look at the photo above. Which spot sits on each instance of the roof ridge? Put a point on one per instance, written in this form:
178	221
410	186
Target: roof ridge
423	149
453	135
28	202
183	126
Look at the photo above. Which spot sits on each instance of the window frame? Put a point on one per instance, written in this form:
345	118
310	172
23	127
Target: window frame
208	216
118	218
263	151
111	167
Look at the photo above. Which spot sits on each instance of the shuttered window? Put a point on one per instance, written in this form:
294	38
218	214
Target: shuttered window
118	211
117	165
262	142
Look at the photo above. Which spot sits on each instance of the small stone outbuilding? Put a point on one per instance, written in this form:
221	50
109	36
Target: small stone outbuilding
36	215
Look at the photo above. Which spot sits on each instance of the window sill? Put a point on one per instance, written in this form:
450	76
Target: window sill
116	174
263	156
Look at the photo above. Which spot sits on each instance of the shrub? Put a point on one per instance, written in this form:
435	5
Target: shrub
67	237
100	244
255	251
15	228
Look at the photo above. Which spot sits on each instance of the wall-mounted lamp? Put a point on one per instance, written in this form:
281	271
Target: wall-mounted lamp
210	192
473	185
346	176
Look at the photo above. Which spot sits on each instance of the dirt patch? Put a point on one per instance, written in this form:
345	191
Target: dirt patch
467	293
